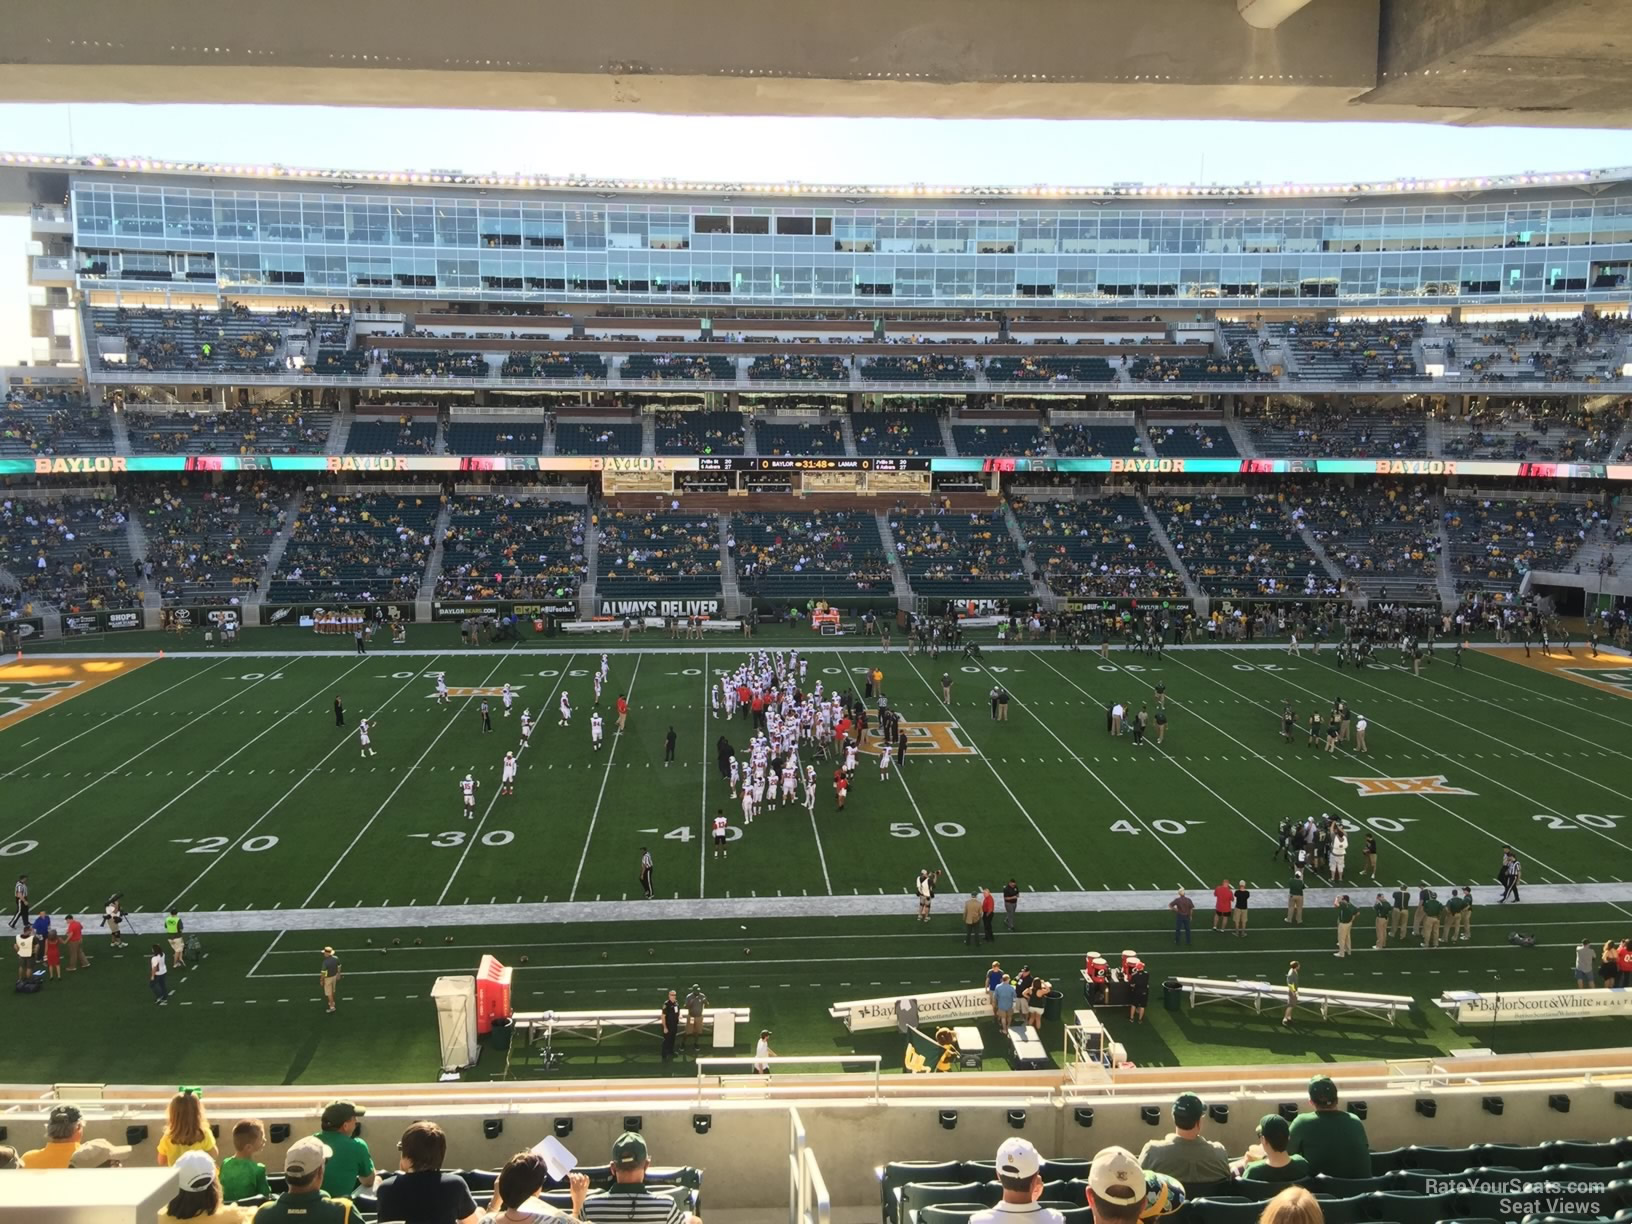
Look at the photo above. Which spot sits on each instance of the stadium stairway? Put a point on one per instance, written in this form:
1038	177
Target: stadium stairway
549	436
1192	588
121	433
648	433
1039	589
849	436
1447	579
1433	436
948	439
592	558
1241	438
730	592
136	540
898	575
1315	546
280	544
433	564
339	433
750	436
1146	446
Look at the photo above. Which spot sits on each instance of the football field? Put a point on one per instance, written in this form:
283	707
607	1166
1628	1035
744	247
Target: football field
221	786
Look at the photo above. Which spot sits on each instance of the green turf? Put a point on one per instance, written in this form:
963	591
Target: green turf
131	787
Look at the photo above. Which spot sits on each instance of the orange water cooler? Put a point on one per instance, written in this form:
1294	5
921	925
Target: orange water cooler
492	994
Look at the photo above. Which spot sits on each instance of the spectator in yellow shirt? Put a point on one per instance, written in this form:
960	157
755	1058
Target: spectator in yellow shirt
64	1132
186	1129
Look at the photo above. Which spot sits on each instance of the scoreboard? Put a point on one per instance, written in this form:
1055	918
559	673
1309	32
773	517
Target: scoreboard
812	463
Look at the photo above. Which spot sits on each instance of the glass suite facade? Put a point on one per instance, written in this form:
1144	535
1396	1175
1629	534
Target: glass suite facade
557	246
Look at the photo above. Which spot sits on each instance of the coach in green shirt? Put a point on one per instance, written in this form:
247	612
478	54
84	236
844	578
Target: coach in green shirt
1345	925
1383	908
1332	1140
1294	899
350	1165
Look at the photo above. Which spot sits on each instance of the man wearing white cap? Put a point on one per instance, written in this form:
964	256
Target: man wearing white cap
305	1200
1020	1173
1121	1192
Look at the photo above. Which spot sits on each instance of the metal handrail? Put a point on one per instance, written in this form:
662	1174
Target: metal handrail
751	1064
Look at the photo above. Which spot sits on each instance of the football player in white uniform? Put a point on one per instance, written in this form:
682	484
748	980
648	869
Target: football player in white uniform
884	759
507	697
507	782
736	775
468	786
566	708
810	789
362	739
747	805
598	682
849	758
606	667
442	688
719	834
526	728
595	730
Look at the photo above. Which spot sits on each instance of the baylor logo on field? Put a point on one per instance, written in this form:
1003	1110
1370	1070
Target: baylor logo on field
15	697
923	739
1431	785
1619	677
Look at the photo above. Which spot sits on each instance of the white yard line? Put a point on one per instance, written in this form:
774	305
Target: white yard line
345	741
237	696
705	836
1361	762
106	721
935	695
482	823
605	777
1491	675
275	939
206	775
1382	839
403	781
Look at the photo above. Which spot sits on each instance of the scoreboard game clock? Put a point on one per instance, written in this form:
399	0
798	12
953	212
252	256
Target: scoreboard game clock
811	463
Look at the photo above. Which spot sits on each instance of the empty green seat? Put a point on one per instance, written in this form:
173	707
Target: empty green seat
948	1213
916	1195
897	1173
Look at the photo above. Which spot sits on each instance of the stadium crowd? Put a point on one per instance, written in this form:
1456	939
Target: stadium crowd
209	543
72	553
511	548
365	547
656	546
790	554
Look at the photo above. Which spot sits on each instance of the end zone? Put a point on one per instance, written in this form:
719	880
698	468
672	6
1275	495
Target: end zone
31	685
1611	673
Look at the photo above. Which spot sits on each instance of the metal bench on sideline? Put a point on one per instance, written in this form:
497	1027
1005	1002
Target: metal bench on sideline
1255	994
544	1026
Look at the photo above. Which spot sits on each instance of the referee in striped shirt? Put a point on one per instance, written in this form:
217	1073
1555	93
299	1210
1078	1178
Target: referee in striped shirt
627	1198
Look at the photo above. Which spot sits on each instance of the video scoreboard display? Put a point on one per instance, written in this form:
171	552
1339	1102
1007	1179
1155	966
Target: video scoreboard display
811	463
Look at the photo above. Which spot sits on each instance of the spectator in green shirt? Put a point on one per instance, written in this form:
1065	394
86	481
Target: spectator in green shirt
348	1165
1332	1140
303	1165
1275	1165
242	1176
